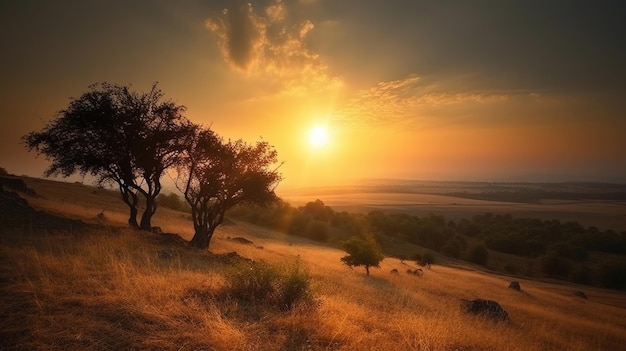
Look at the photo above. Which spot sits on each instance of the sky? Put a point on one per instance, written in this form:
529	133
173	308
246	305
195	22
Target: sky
429	90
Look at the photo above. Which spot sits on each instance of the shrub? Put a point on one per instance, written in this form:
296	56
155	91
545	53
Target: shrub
253	283
479	255
171	201
425	259
260	284
417	258
294	287
511	268
581	275
318	231
451	250
555	266
611	275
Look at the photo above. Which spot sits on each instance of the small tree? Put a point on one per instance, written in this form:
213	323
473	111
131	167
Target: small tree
217	175
362	252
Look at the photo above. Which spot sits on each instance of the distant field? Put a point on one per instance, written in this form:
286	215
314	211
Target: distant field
599	213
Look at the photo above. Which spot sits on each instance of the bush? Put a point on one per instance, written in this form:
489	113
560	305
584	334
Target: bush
425	259
294	287
451	250
511	268
479	255
171	201
555	266
611	275
318	231
581	275
260	284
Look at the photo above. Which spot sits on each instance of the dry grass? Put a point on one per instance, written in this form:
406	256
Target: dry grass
108	288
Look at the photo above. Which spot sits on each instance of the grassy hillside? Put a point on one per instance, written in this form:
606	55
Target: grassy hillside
101	286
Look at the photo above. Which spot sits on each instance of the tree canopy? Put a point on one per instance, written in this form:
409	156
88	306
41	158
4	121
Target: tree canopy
120	136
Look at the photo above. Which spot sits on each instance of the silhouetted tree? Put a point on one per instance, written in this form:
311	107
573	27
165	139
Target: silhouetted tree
217	175
119	136
362	252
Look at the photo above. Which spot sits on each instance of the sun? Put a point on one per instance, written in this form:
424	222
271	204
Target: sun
318	137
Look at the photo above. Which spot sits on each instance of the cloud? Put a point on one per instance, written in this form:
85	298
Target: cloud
268	44
410	99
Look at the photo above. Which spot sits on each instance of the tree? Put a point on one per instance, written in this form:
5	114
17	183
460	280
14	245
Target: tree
217	175
118	136
479	255
362	252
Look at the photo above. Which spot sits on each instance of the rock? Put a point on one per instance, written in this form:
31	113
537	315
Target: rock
241	240
581	294
515	286
487	308
417	272
165	253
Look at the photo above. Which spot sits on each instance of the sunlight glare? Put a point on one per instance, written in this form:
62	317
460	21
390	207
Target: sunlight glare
318	137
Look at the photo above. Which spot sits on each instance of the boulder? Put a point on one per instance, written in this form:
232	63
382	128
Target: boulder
487	308
515	286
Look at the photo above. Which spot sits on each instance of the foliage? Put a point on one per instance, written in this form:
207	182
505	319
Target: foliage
569	242
260	284
318	231
172	201
454	246
216	175
581	275
555	266
424	259
611	275
119	136
362	252
479	255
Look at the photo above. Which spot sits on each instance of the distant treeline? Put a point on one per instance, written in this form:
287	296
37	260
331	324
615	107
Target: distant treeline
561	250
535	195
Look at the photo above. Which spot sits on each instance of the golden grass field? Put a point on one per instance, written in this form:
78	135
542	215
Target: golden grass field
107	289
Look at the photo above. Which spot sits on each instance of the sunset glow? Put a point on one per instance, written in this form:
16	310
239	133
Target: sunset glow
412	89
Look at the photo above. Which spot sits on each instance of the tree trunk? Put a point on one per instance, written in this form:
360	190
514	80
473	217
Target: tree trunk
367	270
202	238
132	219
146	217
130	199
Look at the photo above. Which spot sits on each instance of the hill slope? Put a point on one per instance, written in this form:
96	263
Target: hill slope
103	286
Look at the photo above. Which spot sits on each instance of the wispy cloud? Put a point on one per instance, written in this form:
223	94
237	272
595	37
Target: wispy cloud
410	99
267	44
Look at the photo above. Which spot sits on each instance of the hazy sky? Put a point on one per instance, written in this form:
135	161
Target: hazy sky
438	90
